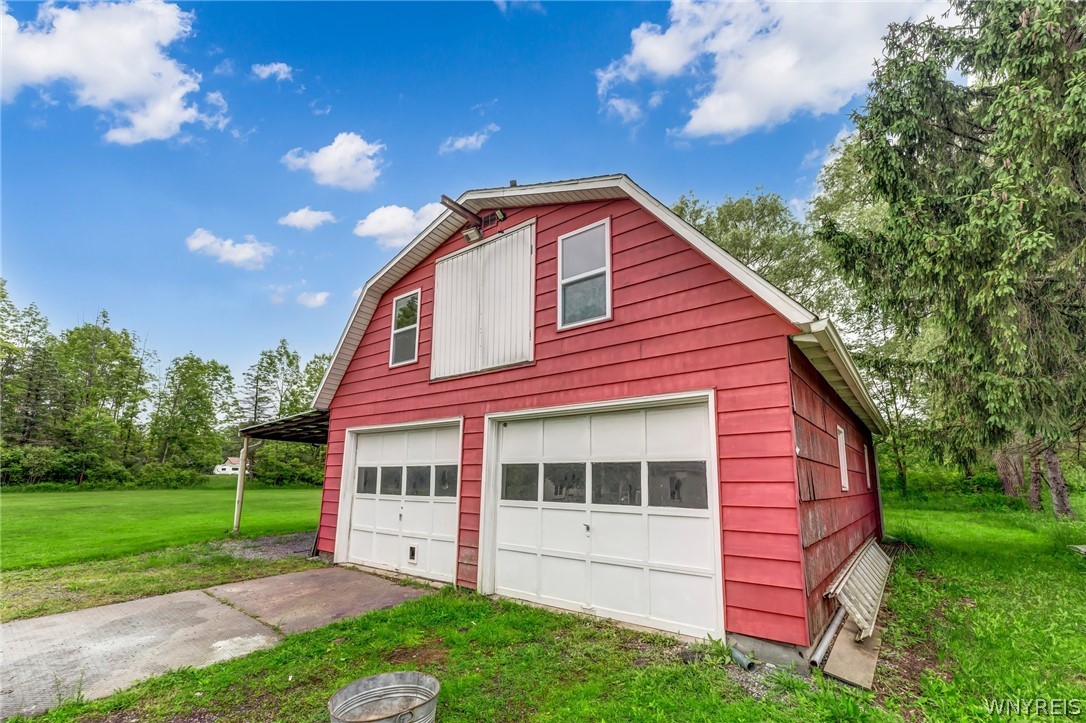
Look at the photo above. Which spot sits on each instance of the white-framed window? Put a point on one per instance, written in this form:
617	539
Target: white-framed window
842	455
584	275
404	345
867	468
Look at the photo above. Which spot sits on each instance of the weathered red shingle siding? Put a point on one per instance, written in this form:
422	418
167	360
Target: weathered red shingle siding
679	323
833	523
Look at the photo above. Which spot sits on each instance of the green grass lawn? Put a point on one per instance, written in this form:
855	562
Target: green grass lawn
496	660
34	591
58	528
986	604
991	604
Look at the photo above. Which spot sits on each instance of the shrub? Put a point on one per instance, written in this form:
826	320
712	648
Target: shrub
109	473
157	475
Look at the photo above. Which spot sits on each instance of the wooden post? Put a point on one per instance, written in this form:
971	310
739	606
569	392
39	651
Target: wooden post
242	469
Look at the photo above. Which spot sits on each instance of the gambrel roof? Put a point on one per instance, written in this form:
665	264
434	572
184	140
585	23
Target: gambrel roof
819	341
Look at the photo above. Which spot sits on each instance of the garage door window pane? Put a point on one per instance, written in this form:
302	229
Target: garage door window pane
616	483
678	484
367	480
520	482
564	482
418	481
391	480
445	480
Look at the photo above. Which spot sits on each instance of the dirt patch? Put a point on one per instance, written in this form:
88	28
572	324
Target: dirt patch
275	547
430	652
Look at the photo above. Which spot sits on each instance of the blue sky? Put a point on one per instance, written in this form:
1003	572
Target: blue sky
153	153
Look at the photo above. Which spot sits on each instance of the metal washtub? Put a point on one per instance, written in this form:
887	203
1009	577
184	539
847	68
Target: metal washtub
402	697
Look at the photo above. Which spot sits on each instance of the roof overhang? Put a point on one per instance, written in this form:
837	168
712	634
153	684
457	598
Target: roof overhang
598	188
310	427
826	351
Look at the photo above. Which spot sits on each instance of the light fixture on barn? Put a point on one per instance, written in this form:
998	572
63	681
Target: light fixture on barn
474	231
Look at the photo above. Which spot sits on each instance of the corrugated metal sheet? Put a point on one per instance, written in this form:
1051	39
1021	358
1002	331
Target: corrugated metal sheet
483	306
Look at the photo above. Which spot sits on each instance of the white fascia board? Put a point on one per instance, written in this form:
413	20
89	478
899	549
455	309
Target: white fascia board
582	184
825	334
779	301
325	392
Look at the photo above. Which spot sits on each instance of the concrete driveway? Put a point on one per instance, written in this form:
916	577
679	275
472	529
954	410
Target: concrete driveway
95	652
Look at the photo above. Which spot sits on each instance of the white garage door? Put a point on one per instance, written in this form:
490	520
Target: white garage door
611	514
403	510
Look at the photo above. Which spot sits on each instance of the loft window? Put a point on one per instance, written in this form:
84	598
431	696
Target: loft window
584	275
842	456
405	329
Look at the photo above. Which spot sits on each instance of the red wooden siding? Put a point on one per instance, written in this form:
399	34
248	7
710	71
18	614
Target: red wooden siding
679	323
832	523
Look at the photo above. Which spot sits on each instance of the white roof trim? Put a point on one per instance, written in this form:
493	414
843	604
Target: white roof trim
822	337
599	187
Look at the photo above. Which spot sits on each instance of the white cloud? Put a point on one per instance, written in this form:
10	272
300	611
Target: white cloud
113	56
394	226
625	108
533	5
250	254
656	99
216	116
313	299
819	157
279	71
765	62
468	143
349	162
224	68
306	219
485	107
279	293
357	292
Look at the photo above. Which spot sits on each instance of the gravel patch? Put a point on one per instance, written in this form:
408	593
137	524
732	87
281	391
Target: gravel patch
756	682
275	547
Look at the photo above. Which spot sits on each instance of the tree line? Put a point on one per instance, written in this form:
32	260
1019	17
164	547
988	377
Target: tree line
947	240
88	406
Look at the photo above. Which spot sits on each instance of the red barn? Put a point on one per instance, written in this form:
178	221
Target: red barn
595	408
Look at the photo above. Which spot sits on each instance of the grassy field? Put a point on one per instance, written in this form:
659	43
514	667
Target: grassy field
990	604
985	604
34	591
59	528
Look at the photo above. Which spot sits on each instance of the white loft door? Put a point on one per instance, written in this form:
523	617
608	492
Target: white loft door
483	306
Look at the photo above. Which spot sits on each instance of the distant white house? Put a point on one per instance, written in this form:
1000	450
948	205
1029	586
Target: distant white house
231	466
